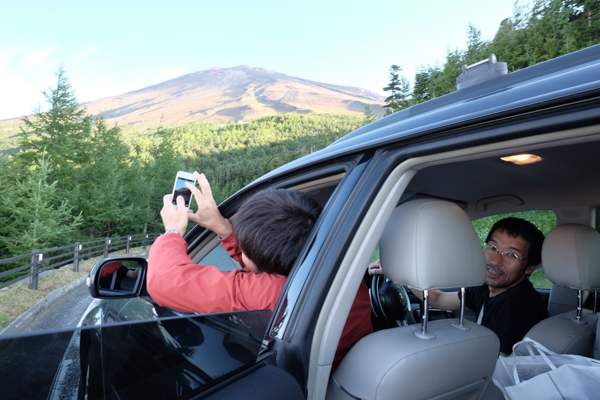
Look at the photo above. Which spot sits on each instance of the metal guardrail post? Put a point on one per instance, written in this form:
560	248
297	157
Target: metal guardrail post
145	241
106	243
36	257
128	240
76	257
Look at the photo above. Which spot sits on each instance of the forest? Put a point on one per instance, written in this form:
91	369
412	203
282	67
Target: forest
68	176
77	178
536	32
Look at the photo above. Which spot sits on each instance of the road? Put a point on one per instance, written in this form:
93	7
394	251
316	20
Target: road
41	366
65	313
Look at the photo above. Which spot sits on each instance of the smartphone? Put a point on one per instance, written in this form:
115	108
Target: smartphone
179	189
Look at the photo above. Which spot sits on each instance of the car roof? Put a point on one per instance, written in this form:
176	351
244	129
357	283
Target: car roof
563	77
567	177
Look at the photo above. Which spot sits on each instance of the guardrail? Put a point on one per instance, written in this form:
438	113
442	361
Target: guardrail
43	260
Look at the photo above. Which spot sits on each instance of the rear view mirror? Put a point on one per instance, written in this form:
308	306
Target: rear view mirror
117	277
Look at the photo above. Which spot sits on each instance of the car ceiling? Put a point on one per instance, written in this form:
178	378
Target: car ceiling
568	175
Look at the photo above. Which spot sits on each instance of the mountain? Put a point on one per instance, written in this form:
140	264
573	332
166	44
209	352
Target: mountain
239	93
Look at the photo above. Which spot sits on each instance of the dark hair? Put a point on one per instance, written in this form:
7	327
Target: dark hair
517	227
272	226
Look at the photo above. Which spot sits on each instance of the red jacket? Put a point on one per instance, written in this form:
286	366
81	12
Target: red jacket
175	281
109	268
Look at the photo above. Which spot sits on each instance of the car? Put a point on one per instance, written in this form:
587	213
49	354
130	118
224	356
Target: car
447	149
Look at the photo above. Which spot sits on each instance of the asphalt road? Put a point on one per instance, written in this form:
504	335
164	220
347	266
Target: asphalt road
65	313
43	362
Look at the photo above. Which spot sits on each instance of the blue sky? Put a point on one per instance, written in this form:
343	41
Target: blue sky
112	47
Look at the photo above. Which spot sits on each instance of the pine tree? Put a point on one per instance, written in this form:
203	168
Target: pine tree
63	133
101	185
509	43
421	88
369	116
392	102
404	95
7	179
34	221
476	47
165	164
446	82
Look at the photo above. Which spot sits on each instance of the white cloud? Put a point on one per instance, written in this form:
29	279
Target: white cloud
19	96
39	57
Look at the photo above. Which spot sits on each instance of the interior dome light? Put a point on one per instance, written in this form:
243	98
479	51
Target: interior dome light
522	159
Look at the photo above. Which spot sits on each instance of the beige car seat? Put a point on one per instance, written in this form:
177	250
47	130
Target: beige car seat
571	258
427	244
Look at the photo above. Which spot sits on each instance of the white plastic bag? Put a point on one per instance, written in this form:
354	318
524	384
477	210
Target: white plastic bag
547	375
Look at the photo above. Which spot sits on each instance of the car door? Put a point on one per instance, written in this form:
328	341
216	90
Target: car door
159	352
277	372
178	356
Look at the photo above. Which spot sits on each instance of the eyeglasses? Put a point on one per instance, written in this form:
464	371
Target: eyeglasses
506	255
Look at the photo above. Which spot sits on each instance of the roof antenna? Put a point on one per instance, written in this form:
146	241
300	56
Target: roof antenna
480	72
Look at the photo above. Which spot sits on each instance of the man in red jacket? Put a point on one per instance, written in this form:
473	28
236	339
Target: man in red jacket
266	237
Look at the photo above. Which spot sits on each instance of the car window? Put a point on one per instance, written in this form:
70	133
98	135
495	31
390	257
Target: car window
169	357
544	220
219	258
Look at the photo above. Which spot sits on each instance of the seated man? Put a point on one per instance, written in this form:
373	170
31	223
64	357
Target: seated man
267	235
507	303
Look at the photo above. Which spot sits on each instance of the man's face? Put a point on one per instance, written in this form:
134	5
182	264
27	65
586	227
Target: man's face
504	273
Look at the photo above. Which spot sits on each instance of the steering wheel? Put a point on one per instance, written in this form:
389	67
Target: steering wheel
389	301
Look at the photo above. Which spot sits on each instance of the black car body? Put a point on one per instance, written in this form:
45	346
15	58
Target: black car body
446	148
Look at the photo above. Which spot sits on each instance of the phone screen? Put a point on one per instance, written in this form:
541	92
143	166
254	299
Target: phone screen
182	190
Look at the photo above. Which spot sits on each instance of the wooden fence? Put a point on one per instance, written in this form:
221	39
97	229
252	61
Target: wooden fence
43	260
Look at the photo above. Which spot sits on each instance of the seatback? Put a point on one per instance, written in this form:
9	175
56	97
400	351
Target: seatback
571	259
427	244
563	299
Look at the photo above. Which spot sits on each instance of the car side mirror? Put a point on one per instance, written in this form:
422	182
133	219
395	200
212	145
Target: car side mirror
122	277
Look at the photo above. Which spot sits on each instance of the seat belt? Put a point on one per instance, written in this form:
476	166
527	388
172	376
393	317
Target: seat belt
114	280
480	318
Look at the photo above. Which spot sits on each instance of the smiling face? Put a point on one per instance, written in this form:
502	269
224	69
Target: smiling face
504	273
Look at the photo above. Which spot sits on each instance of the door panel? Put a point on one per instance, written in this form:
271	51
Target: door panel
173	357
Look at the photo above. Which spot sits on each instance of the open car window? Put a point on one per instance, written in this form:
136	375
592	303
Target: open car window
221	259
211	252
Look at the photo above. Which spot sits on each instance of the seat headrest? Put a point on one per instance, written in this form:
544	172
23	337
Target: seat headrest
431	244
571	256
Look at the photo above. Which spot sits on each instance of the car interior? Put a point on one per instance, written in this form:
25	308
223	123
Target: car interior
481	183
564	179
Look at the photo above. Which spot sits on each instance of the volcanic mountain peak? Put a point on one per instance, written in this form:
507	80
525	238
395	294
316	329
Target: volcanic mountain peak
225	94
220	94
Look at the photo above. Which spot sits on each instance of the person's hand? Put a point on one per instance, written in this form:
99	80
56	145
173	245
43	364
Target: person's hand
174	217
208	214
375	268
